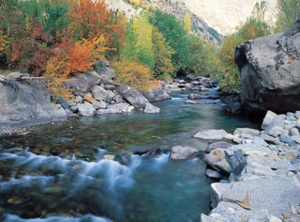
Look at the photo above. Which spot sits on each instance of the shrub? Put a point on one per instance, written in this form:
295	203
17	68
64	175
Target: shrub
133	74
289	11
187	24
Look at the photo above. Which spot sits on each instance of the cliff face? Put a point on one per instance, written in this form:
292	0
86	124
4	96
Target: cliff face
225	15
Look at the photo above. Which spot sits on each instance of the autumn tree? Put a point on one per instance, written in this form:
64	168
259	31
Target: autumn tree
187	24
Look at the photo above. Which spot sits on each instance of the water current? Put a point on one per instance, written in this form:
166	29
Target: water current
91	169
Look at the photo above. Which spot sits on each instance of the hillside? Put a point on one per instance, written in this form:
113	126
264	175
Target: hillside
225	15
175	7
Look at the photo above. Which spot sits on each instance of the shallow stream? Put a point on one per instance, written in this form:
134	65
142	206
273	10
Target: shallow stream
88	169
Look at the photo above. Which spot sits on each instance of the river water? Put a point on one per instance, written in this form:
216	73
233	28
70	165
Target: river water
88	169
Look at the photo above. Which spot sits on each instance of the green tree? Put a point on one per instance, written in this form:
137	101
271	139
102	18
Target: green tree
289	11
176	36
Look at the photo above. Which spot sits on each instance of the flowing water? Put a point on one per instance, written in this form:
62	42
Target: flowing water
87	169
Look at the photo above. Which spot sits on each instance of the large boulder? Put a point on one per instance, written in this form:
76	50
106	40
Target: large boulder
24	104
133	96
269	68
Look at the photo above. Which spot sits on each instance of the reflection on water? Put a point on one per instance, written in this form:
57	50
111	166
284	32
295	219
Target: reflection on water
85	170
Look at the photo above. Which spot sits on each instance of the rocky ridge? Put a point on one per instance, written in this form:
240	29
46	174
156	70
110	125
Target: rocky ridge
260	171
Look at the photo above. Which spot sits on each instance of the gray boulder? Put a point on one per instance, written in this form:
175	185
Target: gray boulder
24	104
269	68
268	119
59	113
157	94
99	93
183	153
216	145
133	96
108	111
86	109
284	192
122	107
151	109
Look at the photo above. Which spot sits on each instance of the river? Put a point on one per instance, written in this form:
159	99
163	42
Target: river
88	169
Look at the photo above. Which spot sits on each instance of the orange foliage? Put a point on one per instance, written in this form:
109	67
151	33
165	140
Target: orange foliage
90	19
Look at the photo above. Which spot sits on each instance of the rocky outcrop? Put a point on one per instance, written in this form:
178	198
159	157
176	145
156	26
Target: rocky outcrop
26	103
260	174
269	68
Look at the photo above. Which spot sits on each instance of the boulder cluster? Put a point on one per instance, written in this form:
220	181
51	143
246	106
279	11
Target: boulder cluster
259	171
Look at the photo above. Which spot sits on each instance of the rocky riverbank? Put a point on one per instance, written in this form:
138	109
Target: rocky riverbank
260	172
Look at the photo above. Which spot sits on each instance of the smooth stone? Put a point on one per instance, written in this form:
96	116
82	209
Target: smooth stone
268	119
59	113
89	97
151	109
296	138
183	153
86	109
211	134
277	121
276	131
297	114
78	99
291	154
133	96
123	107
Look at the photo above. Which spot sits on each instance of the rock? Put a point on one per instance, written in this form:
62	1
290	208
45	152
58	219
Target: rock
296	138
86	109
133	96
291	154
188	86
106	73
151	109
234	107
256	169
24	104
78	99
276	131
211	134
290	116
157	94
88	97
190	102
183	153
278	121
99	93
16	75
216	145
246	131
272	218
214	157
294	132
109	96
260	194
108	111
213	174
269	72
172	88
99	105
123	107
59	113
297	114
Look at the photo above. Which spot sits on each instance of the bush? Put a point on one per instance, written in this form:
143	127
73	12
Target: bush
289	11
133	74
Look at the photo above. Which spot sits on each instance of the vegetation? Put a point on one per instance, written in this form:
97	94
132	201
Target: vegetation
187	23
228	74
289	11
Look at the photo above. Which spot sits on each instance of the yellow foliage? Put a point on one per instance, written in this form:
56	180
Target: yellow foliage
56	75
133	74
152	8
187	24
135	2
3	41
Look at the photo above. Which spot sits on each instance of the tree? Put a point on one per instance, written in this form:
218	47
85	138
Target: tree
187	25
289	11
163	68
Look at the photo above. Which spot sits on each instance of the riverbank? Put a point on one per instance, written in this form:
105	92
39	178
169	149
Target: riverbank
261	174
